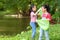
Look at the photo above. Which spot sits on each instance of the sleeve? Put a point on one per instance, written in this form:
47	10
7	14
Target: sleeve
32	14
49	17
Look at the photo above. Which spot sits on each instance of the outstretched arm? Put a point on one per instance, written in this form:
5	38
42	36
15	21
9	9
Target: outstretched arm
38	10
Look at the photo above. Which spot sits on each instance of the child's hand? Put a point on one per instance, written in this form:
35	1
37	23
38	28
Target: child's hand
35	14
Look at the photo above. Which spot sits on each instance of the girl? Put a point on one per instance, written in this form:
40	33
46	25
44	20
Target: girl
33	19
45	15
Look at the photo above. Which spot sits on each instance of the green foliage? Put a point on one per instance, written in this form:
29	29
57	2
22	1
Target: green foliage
54	33
22	6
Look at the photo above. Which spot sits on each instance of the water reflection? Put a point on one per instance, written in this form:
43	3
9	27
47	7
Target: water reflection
13	25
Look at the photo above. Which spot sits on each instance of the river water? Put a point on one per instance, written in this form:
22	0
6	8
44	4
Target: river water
13	25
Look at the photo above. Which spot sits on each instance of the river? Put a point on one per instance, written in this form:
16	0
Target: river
13	25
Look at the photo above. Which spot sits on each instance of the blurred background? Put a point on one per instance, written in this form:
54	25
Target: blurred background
14	14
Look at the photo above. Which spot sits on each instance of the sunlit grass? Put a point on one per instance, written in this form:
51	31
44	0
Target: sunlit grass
54	34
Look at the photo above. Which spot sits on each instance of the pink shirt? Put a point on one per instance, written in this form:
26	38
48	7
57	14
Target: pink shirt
47	16
32	17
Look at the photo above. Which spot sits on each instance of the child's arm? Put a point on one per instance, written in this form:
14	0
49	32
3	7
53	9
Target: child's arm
36	14
33	14
38	10
49	17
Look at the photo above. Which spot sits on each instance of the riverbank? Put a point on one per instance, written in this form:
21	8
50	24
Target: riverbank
15	16
54	33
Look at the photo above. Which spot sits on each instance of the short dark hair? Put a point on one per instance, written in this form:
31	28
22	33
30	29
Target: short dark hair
47	7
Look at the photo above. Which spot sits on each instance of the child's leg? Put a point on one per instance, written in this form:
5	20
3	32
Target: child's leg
41	34
46	35
33	25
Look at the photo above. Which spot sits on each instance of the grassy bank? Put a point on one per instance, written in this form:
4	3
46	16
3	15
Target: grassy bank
54	33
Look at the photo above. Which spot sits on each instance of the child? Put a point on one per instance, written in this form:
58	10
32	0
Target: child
33	19
45	15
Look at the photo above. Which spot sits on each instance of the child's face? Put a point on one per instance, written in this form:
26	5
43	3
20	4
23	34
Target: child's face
34	8
43	9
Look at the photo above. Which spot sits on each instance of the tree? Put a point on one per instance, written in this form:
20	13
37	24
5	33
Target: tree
22	6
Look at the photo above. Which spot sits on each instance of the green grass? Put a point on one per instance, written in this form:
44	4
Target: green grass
54	34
